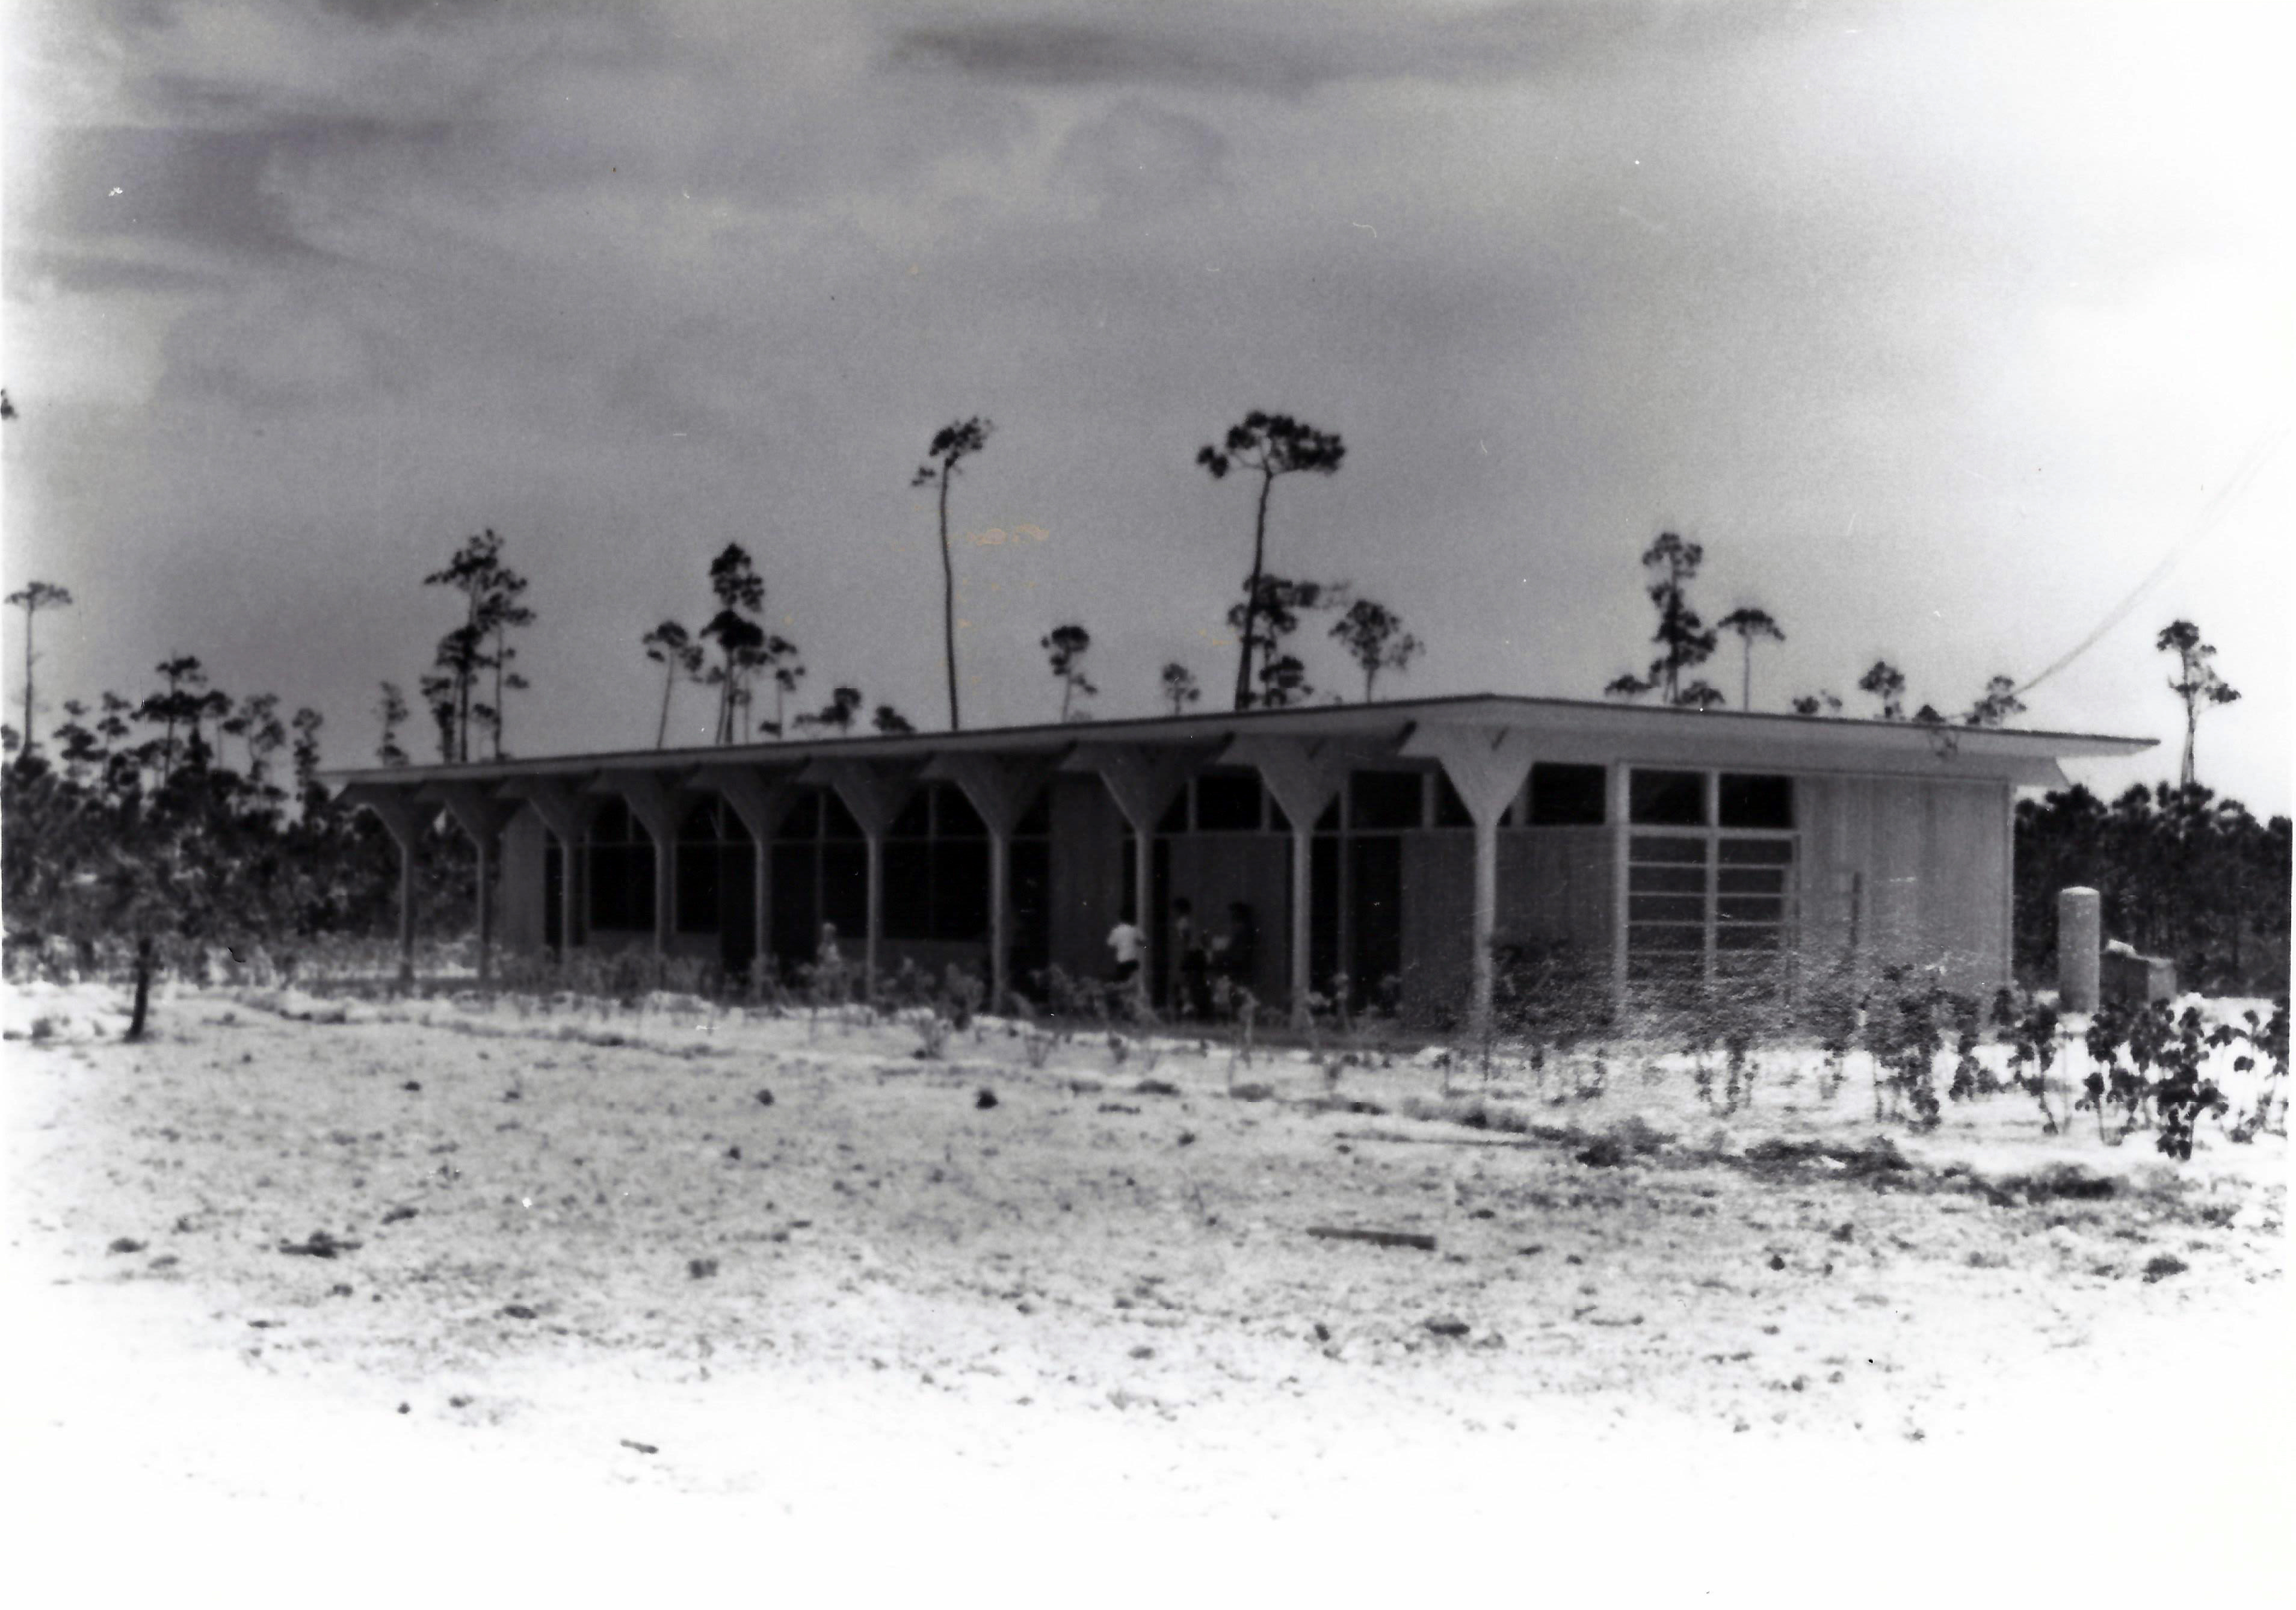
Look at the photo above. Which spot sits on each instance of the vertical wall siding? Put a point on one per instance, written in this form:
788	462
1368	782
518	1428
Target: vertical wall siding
519	892
1438	898
1927	859
1087	875
1554	885
1212	870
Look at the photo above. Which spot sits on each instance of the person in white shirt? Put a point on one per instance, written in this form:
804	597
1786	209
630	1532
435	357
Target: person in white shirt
1126	942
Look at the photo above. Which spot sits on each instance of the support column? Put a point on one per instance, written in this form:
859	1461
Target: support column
1303	918
481	815
1621	846
405	910
567	815
761	799
1487	766
1142	782
874	791
874	853
1305	775
404	818
1000	919
1000	789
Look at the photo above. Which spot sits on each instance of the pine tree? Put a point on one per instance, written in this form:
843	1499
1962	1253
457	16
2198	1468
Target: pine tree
390	711
1750	623
32	599
1374	636
1065	647
1177	685
952	444
2197	684
1996	705
669	647
1273	445
741	595
1887	683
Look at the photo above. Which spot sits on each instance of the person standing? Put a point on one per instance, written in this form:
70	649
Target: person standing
1125	944
1192	963
1241	955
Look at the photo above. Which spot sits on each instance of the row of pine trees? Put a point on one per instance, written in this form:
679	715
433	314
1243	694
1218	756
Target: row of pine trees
203	811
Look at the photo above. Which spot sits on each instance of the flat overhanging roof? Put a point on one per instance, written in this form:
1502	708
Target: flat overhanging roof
1569	729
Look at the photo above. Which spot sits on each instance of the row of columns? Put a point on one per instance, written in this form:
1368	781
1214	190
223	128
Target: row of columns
1486	767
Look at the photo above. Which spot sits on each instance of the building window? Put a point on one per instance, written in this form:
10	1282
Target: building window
1755	801
1715	906
821	873
1385	802
713	849
1569	796
937	868
1667	799
1229	801
621	870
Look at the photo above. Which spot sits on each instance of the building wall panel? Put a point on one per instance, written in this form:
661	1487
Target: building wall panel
1439	894
1087	875
519	890
1911	871
1214	870
1554	886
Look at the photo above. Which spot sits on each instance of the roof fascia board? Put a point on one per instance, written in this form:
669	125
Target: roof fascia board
1554	721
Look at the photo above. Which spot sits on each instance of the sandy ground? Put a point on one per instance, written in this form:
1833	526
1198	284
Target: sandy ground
581	1267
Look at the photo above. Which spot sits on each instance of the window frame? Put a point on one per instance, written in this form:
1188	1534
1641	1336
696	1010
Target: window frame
1743	856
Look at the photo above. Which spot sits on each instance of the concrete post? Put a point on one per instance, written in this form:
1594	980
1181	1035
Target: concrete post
481	815
874	793
760	800
1000	918
2081	945
1001	790
873	842
404	817
406	843
1303	869
1487	766
486	912
1143	783
1484	925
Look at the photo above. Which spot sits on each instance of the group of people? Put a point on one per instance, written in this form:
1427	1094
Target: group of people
1197	957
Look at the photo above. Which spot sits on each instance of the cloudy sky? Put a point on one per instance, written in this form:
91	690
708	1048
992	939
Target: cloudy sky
1941	326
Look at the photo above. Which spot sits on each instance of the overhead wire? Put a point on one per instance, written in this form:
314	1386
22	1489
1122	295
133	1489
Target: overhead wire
2204	525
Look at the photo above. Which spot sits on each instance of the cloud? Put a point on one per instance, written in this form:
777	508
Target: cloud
99	273
210	190
1138	155
390	13
1291	49
276	348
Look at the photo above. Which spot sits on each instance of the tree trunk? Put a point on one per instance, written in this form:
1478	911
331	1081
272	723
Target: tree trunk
1746	681
1251	590
27	671
141	1010
948	601
661	728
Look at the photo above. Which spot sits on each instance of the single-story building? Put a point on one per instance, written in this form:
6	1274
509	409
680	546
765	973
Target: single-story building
1388	847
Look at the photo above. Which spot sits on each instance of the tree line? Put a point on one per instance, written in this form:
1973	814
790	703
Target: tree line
140	808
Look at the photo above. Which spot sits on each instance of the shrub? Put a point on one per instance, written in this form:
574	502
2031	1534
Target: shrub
932	1036
2033	1034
